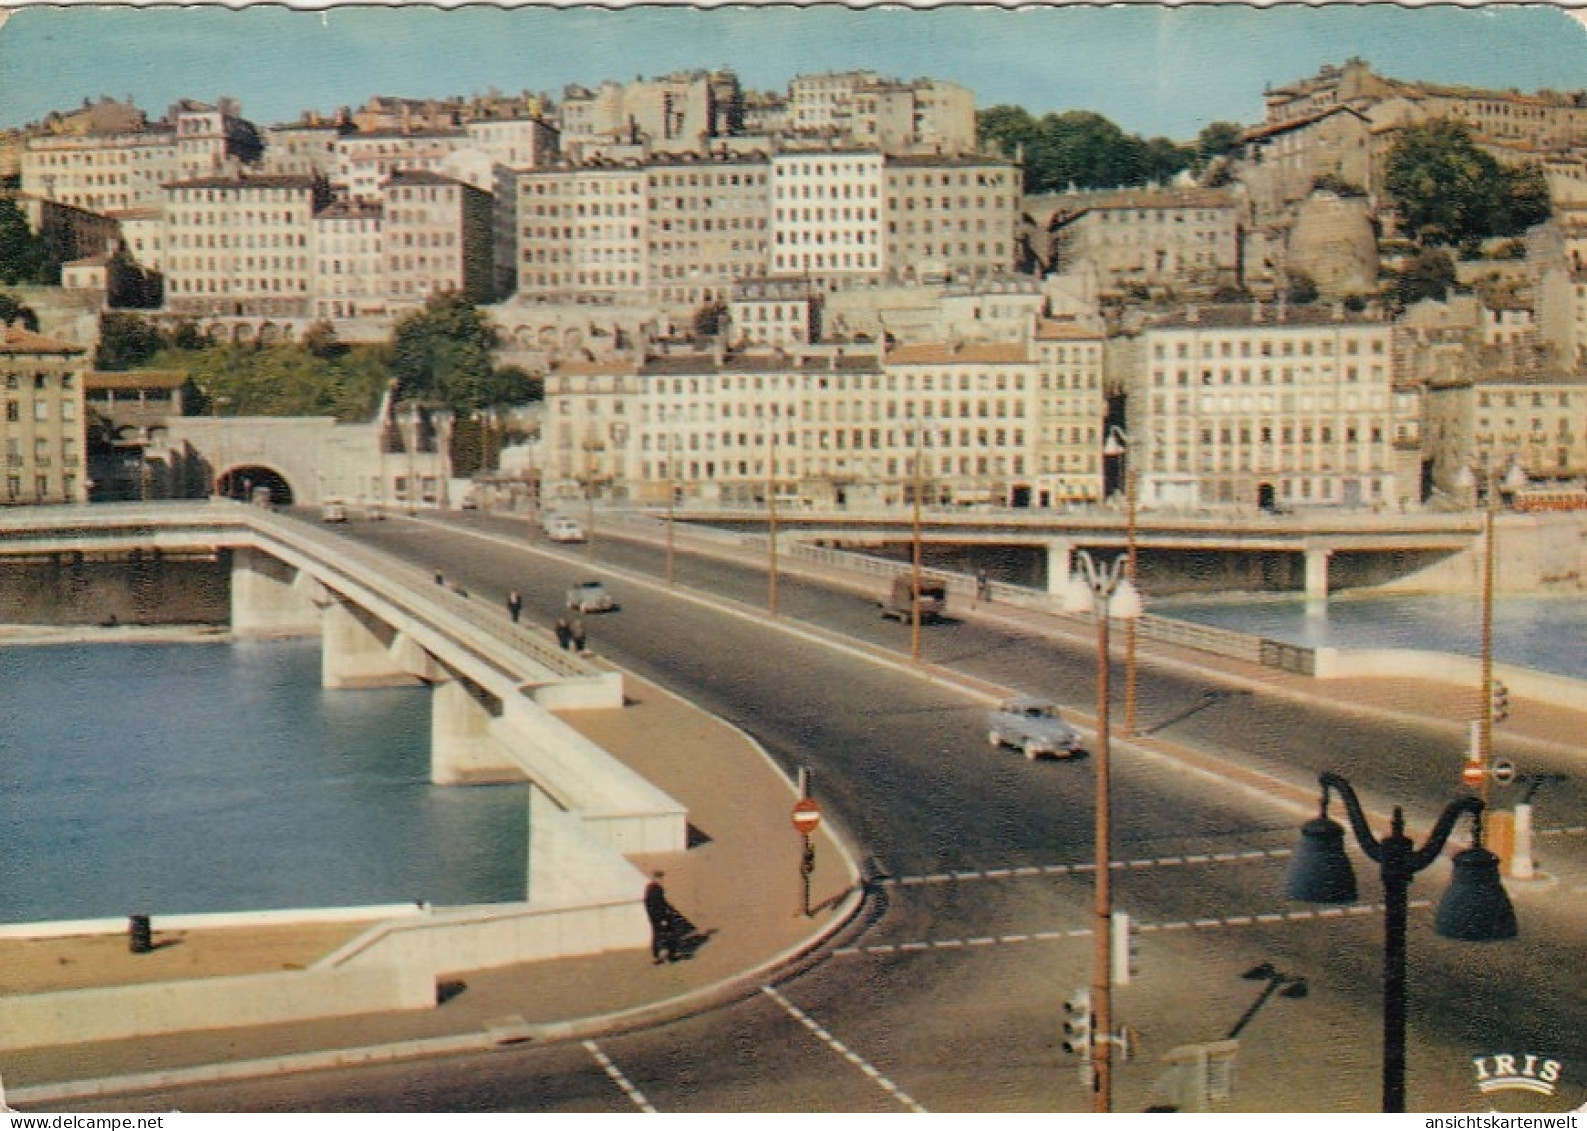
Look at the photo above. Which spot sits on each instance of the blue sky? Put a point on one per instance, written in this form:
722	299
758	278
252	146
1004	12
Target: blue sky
1153	70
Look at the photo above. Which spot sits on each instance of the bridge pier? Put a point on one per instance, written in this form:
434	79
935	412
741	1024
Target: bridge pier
1317	576
270	597
353	653
1060	564
463	747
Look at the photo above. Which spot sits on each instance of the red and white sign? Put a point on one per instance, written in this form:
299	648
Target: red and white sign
1473	774
806	815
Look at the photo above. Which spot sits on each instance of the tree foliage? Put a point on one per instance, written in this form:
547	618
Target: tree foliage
443	355
1451	193
126	341
24	257
281	380
1080	149
1429	273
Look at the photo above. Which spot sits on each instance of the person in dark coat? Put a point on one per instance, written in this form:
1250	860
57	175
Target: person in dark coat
514	605
564	633
669	930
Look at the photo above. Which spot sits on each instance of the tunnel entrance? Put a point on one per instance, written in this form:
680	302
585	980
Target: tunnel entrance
242	483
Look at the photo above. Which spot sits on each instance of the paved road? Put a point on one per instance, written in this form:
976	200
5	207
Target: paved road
949	999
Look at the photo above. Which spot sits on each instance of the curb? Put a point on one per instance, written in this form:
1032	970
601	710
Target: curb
550	1032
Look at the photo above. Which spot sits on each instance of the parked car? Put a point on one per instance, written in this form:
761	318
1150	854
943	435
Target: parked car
1034	726
562	529
333	510
590	597
899	602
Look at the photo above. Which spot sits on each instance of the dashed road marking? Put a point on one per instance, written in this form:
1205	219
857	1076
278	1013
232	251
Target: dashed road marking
1083	868
1206	923
634	1094
1562	830
843	1050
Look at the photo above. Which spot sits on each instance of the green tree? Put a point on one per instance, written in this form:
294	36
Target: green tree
1430	273
126	340
1079	149
443	354
1218	139
24	257
1451	193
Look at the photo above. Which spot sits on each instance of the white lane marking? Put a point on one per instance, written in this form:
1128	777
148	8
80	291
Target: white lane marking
1300	915
843	1050
1080	867
635	1096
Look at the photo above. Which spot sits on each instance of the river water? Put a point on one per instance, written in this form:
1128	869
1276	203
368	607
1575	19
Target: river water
1545	633
171	778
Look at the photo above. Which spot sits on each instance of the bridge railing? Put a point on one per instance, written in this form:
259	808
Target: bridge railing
422	588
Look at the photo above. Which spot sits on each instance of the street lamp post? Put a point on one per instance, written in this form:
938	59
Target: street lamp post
672	491
1107	592
1117	444
1475	909
771	513
914	629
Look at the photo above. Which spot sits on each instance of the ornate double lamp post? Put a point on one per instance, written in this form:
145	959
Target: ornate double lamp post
1106	591
1475	908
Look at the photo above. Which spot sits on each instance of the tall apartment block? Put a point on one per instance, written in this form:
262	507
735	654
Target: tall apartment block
43	421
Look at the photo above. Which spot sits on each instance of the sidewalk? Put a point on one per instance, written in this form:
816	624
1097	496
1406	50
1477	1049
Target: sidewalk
739	881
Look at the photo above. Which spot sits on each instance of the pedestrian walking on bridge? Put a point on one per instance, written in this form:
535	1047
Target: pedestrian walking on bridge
514	606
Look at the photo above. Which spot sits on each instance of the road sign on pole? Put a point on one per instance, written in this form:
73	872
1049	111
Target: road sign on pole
1473	773
1504	771
806	815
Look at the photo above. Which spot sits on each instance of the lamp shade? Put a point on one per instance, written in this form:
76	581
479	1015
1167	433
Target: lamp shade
1476	907
1078	595
1126	604
1320	871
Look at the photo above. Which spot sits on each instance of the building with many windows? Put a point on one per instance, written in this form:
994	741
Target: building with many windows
239	246
438	237
826	216
1267	406
950	217
1008	423
42	425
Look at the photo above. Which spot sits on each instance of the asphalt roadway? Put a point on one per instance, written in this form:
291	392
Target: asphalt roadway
740	881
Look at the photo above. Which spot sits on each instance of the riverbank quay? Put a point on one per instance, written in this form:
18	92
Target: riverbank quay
739	881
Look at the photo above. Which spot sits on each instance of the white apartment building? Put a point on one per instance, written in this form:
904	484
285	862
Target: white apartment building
950	217
41	425
706	228
781	314
438	237
239	246
826	216
990	422
126	169
579	230
366	161
1071	409
348	248
1251	406
861	108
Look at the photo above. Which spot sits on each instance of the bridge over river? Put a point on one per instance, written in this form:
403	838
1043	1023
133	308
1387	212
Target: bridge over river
380	622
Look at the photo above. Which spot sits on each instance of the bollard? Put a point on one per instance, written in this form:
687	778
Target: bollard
1521	867
140	938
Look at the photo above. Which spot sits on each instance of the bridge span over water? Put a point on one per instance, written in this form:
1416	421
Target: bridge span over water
495	687
1313	552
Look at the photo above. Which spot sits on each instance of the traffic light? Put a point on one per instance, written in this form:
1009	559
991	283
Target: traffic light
1501	702
1077	1024
1122	949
